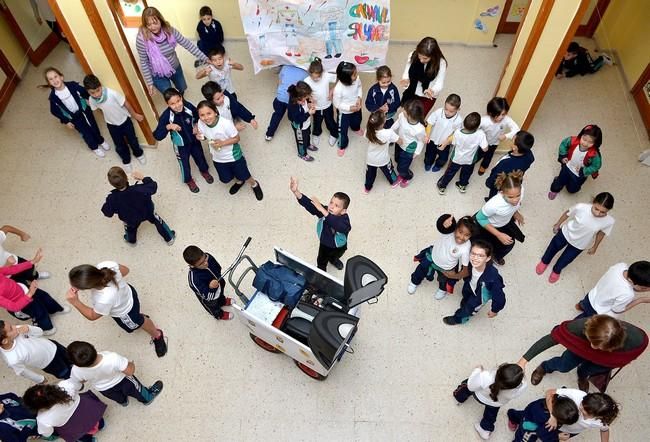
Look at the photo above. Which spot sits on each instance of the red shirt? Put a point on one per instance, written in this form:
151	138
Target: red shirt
12	295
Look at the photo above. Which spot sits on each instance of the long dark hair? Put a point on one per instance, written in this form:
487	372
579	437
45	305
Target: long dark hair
428	47
376	121
601	406
86	277
508	376
415	111
43	397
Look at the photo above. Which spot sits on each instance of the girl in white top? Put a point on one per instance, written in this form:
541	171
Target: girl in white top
493	389
378	156
319	80
497	126
347	97
581	227
227	155
410	128
424	74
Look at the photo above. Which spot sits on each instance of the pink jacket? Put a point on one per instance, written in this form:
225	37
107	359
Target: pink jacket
12	296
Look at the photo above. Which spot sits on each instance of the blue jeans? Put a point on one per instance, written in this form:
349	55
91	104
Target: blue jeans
558	243
568	361
164	83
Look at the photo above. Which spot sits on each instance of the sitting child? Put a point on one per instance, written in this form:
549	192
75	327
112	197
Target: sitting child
578	61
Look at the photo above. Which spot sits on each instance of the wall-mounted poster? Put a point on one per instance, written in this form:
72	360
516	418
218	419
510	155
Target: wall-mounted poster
295	31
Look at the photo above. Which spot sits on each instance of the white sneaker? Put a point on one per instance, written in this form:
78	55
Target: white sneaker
644	155
43	275
607	59
332	140
485	435
99	152
142	159
49	332
315	140
105	146
66	309
127	168
440	294
268	138
411	288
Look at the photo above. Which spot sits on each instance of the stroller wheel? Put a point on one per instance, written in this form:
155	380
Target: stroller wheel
263	344
309	372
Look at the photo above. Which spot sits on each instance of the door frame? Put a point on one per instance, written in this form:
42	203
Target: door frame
640	99
10	83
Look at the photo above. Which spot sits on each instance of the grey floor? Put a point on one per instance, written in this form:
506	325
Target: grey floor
397	385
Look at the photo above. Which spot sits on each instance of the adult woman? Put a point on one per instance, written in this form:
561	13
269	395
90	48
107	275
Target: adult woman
594	345
424	74
156	45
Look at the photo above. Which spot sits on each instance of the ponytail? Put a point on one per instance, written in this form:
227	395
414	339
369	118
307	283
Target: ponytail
85	277
376	121
511	180
298	91
508	377
601	406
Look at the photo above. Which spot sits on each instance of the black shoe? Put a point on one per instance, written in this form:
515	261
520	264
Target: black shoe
583	384
338	264
257	190
125	403
235	188
449	320
486	199
537	375
155	390
160	345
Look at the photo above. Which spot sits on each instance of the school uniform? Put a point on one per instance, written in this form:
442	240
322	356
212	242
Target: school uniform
228	160
212	299
499	213
223	77
233	110
463	156
611	294
134	206
118	122
379	158
412	136
301	124
377	97
580	165
478	289
577	234
419	81
492	132
210	36
531	423
344	98
506	164
443	255
332	231
583	423
184	142
71	106
25	276
17	422
288	75
442	127
33	350
320	93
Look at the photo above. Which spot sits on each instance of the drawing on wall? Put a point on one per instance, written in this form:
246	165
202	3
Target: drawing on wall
295	31
517	10
491	12
479	25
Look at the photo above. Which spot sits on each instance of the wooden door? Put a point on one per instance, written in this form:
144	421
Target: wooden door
641	94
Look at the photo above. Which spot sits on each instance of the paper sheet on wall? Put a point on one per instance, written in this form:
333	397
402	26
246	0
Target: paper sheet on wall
296	31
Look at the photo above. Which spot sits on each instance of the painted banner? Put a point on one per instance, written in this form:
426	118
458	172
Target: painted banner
295	31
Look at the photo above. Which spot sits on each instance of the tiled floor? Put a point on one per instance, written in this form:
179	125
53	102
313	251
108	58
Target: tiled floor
397	385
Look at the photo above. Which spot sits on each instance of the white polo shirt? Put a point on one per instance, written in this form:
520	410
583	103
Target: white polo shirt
59	414
409	133
320	90
466	145
4	255
493	129
441	126
498	211
106	374
114	300
378	155
30	350
112	105
613	292
583	423
447	253
582	226
222	130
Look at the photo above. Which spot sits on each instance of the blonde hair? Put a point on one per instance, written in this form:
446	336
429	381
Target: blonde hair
605	333
510	180
151	12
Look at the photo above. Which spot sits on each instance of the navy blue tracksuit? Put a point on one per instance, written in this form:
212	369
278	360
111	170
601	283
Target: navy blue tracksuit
297	115
83	120
199	280
531	423
489	287
209	36
17	423
237	109
376	99
507	164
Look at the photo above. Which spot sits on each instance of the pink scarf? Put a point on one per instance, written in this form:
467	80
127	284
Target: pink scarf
160	65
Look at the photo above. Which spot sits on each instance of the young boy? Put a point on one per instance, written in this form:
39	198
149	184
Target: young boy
17	422
228	106
441	124
204	278
333	225
384	96
8	259
466	143
209	30
481	283
117	113
133	205
519	158
179	120
287	76
219	70
529	424
578	61
111	374
614	292
22	346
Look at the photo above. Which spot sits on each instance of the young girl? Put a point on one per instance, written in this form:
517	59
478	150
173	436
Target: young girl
68	103
578	164
481	283
320	81
445	255
581	227
347	100
498	216
410	127
383	95
227	154
424	74
494	389
299	112
494	124
378	156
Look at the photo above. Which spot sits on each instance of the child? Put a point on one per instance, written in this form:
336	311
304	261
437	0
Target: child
117	113
333	225
481	283
578	61
228	106
206	282
445	255
111	374
494	125
410	127
227	155
614	293
8	259
22	347
111	295
209	30
378	157
578	164
498	216
219	70
529	424
347	101
68	104
596	410
519	158
494	389
179	120
581	227
300	111
383	95
287	76
467	142
320	81
133	205
17	422
441	124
